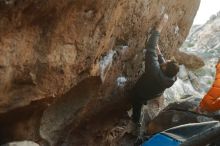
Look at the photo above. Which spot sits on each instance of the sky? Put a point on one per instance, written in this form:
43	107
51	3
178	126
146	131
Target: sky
206	9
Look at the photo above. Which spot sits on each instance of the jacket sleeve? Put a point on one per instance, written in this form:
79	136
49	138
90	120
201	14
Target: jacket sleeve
152	65
210	104
151	59
161	59
211	101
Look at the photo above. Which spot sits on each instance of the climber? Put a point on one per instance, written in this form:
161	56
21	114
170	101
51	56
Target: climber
159	75
211	101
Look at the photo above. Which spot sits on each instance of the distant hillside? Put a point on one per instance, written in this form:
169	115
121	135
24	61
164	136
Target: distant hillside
204	40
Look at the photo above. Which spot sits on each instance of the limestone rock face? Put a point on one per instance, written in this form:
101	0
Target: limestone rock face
65	63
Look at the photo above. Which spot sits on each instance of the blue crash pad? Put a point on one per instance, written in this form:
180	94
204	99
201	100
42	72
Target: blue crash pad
161	140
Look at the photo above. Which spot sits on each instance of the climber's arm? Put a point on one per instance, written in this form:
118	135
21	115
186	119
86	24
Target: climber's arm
151	62
152	65
161	59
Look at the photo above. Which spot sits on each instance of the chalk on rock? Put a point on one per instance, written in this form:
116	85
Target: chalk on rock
121	81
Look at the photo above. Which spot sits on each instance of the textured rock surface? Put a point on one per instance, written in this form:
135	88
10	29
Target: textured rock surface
183	87
204	41
23	143
69	54
205	38
179	113
190	61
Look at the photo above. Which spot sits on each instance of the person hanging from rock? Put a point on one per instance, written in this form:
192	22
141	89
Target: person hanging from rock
159	74
211	101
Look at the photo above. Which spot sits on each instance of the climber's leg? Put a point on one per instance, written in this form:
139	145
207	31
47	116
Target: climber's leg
136	112
137	119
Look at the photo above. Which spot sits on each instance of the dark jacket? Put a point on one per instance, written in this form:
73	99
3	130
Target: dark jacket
153	82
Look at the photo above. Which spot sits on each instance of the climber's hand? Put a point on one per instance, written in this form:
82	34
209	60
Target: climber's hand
162	22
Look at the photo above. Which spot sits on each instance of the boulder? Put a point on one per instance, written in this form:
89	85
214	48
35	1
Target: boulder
179	113
66	66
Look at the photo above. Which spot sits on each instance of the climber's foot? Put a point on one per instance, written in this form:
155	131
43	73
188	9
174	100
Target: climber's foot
139	141
164	19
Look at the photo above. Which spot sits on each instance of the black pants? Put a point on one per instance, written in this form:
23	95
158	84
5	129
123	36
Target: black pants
136	112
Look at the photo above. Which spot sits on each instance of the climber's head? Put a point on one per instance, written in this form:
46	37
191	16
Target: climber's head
170	68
